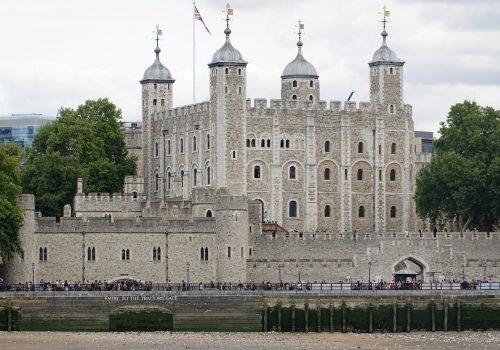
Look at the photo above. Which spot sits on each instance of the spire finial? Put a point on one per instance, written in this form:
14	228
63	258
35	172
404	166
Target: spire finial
229	12
158	32
300	25
385	13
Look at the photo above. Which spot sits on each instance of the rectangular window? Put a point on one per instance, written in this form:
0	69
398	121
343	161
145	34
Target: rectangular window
233	154
229	252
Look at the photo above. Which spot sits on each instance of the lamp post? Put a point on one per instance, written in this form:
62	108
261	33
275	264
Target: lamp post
187	276
369	275
33	276
484	271
463	272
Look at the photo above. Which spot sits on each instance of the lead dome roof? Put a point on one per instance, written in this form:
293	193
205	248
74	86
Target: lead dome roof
384	54
227	54
157	72
299	67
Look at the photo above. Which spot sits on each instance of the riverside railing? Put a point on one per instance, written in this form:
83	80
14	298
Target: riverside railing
249	287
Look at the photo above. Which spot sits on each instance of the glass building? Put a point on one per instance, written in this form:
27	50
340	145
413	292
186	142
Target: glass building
20	128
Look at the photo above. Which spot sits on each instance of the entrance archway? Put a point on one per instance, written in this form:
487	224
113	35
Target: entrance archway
263	218
412	264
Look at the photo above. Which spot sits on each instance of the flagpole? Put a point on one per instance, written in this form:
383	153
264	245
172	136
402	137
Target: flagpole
194	55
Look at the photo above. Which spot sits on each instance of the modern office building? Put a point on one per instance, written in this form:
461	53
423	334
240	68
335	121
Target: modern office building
21	128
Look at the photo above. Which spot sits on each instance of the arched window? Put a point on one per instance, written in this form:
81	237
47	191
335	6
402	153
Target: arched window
157	182
327	174
311	98
206	253
360	147
134	195
393	148
327	146
45	254
294	97
123	254
391	71
158	254
327	211
268	143
195	177
239	71
248	142
202	254
239	90
256	172
360	174
311	83
157	152
182	178
127	254
194	143
291	173
380	175
93	253
208	176
392	175
209	214
225	90
262	143
287	143
40	256
168	147
253	142
345	174
282	143
292	209
182	145
227	70
391	109
154	254
169	179
154	102
208	141
361	212
294	84
162	102
393	212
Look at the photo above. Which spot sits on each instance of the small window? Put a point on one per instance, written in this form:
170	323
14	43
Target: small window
155	86
327	211
393	212
93	254
154	102
169	150
239	71
291	173
169	179
157	152
268	143
327	146
292	209
262	143
294	97
182	178
226	89
287	143
158	254
233	154
311	98
241	252
127	254
239	90
195	177
134	195
209	214
392	175
282	143
248	142
208	176
182	145
194	144
253	142
380	175
311	83
345	174
154	254
208	141
391	70
227	70
256	172
294	84
391	109
206	253
360	174
162	102
379	149
393	148
361	212
43	254
229	252
327	174
157	182
360	147
202	254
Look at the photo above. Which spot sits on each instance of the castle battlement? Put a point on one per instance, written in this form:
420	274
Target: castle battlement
108	197
99	225
263	106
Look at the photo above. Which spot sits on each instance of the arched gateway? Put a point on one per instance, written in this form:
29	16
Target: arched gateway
411	264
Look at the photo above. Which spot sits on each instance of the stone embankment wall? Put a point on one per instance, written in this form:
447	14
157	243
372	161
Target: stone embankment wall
363	311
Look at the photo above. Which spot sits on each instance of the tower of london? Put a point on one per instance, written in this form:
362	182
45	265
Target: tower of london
235	189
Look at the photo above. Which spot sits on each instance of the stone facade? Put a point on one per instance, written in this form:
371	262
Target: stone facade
332	183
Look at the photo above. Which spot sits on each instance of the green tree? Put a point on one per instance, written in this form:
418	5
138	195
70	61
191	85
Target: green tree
88	142
463	179
11	214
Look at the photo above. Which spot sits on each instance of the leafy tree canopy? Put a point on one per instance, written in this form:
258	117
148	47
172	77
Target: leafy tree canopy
463	179
11	215
88	142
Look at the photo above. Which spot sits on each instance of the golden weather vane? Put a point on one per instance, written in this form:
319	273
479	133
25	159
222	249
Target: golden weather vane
157	32
300	25
385	13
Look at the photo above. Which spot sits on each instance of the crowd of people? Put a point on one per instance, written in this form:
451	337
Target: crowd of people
97	285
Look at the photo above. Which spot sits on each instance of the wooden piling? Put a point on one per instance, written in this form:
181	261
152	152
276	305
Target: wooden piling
306	316
370	318
445	323
278	307
293	317
394	314
433	315
318	311
344	325
265	318
408	316
331	317
458	316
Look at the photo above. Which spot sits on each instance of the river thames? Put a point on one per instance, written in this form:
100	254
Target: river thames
230	341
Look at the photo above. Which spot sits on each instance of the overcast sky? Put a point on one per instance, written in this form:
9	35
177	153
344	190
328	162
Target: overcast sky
57	53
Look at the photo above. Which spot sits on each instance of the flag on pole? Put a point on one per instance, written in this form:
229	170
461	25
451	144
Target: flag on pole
198	17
